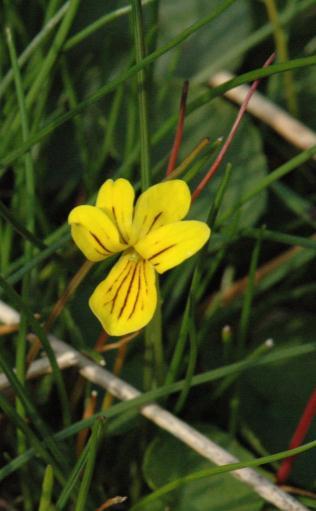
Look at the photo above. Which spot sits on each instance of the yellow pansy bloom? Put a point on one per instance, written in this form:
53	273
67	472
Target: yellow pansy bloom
152	238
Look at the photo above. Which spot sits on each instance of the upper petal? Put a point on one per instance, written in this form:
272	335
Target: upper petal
171	244
94	233
126	300
161	204
117	199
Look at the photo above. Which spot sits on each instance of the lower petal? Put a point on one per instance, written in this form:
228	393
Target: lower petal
126	300
171	244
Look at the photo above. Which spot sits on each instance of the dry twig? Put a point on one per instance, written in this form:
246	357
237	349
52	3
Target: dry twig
164	419
278	119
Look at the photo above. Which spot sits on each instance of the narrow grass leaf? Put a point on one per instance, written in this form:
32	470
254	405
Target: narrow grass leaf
47	490
89	468
38	330
163	490
39	448
280	237
73	479
140	54
278	173
248	297
134	404
33	46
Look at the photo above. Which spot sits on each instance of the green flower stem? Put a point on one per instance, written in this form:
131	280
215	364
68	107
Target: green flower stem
154	355
187	328
140	54
282	52
153	335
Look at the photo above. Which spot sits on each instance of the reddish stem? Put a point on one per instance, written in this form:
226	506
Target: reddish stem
231	135
298	437
101	340
179	131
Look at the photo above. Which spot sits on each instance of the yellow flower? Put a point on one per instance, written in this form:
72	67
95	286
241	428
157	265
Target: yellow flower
151	237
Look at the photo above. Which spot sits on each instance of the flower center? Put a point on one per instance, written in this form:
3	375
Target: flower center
133	255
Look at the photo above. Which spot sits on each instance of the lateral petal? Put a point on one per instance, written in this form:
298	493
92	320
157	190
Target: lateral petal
171	244
126	300
94	233
161	204
116	198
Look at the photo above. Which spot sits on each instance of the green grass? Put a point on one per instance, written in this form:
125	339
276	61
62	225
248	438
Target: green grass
90	91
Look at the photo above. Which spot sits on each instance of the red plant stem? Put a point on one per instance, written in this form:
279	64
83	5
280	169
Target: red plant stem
179	131
200	187
101	340
298	437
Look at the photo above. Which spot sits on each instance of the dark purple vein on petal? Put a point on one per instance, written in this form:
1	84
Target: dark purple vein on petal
125	278
138	290
118	277
99	242
128	292
117	225
145	276
154	221
119	286
161	252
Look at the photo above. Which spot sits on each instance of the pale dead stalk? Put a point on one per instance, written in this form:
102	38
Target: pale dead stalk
268	112
164	419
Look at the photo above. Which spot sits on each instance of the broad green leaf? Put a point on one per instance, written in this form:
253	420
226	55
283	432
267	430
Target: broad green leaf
206	47
167	459
245	154
279	392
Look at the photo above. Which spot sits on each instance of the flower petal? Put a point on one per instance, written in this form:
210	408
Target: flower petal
161	204
94	233
117	199
171	244
126	300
